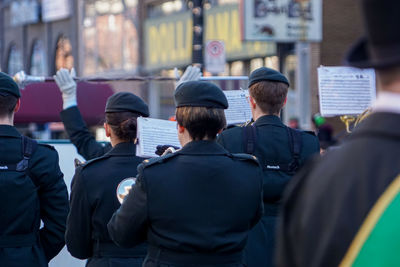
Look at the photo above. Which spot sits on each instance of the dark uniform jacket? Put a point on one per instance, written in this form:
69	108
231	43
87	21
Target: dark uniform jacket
93	201
80	136
329	199
195	206
43	198
272	147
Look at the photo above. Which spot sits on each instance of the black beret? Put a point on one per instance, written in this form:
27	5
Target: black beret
125	101
200	94
8	86
266	74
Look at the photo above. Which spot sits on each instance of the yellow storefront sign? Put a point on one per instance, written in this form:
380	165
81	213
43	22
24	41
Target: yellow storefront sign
168	40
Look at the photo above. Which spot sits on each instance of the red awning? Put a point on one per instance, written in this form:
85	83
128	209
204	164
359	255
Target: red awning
42	102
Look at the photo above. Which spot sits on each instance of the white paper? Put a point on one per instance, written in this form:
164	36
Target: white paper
154	132
345	90
239	109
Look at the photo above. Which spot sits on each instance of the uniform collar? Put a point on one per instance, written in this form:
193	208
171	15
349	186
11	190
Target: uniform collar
123	149
203	147
8	130
381	124
269	119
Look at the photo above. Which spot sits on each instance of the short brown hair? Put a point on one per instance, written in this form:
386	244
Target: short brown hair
7	105
201	122
269	96
123	124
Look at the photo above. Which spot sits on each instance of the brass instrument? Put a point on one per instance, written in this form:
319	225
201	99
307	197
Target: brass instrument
353	121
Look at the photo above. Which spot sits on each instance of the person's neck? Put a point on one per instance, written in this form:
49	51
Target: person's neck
7	121
115	141
258	115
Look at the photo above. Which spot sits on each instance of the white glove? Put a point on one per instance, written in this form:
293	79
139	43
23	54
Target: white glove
192	73
67	85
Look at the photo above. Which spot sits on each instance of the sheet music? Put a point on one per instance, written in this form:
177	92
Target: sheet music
345	90
154	132
239	110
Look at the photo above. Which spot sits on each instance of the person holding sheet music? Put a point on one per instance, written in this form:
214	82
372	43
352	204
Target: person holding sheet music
280	150
195	206
94	186
74	124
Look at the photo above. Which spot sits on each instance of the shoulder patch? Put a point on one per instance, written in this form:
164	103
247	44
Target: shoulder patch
149	162
243	156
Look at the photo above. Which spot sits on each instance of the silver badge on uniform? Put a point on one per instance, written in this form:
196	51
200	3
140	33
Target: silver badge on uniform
124	187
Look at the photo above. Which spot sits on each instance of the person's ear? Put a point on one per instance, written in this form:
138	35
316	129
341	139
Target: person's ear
252	102
220	131
181	129
18	105
108	129
284	103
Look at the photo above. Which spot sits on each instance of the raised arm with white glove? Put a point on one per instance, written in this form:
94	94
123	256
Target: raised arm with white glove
67	85
192	73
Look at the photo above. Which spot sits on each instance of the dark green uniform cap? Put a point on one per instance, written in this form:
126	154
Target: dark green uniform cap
267	74
125	101
8	86
200	94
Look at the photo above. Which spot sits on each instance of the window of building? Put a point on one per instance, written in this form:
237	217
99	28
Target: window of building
38	66
64	58
15	63
110	36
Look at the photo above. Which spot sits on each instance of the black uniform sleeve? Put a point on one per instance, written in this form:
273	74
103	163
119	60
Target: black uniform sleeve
128	225
80	136
78	235
53	198
260	209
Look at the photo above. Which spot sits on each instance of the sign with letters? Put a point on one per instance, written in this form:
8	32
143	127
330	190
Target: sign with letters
55	10
168	40
282	20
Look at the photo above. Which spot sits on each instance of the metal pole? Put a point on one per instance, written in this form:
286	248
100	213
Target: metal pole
198	23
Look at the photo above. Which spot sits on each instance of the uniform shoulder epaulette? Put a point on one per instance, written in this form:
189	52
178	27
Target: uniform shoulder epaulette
149	162
310	132
242	156
90	162
48	146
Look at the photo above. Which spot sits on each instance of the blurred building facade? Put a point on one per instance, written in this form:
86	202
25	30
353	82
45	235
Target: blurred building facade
151	37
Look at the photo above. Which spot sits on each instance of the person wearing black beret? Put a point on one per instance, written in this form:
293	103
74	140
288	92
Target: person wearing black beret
343	209
33	194
195	206
280	150
95	183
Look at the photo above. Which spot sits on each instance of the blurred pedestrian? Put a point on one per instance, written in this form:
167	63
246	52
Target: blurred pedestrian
94	186
342	210
294	123
280	150
195	206
32	191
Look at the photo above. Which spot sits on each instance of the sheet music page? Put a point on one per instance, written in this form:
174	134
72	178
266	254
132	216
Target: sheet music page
154	132
239	109
345	90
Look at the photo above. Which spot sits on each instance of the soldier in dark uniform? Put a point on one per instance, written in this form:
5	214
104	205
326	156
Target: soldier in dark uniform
94	186
195	206
332	212
32	190
279	149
